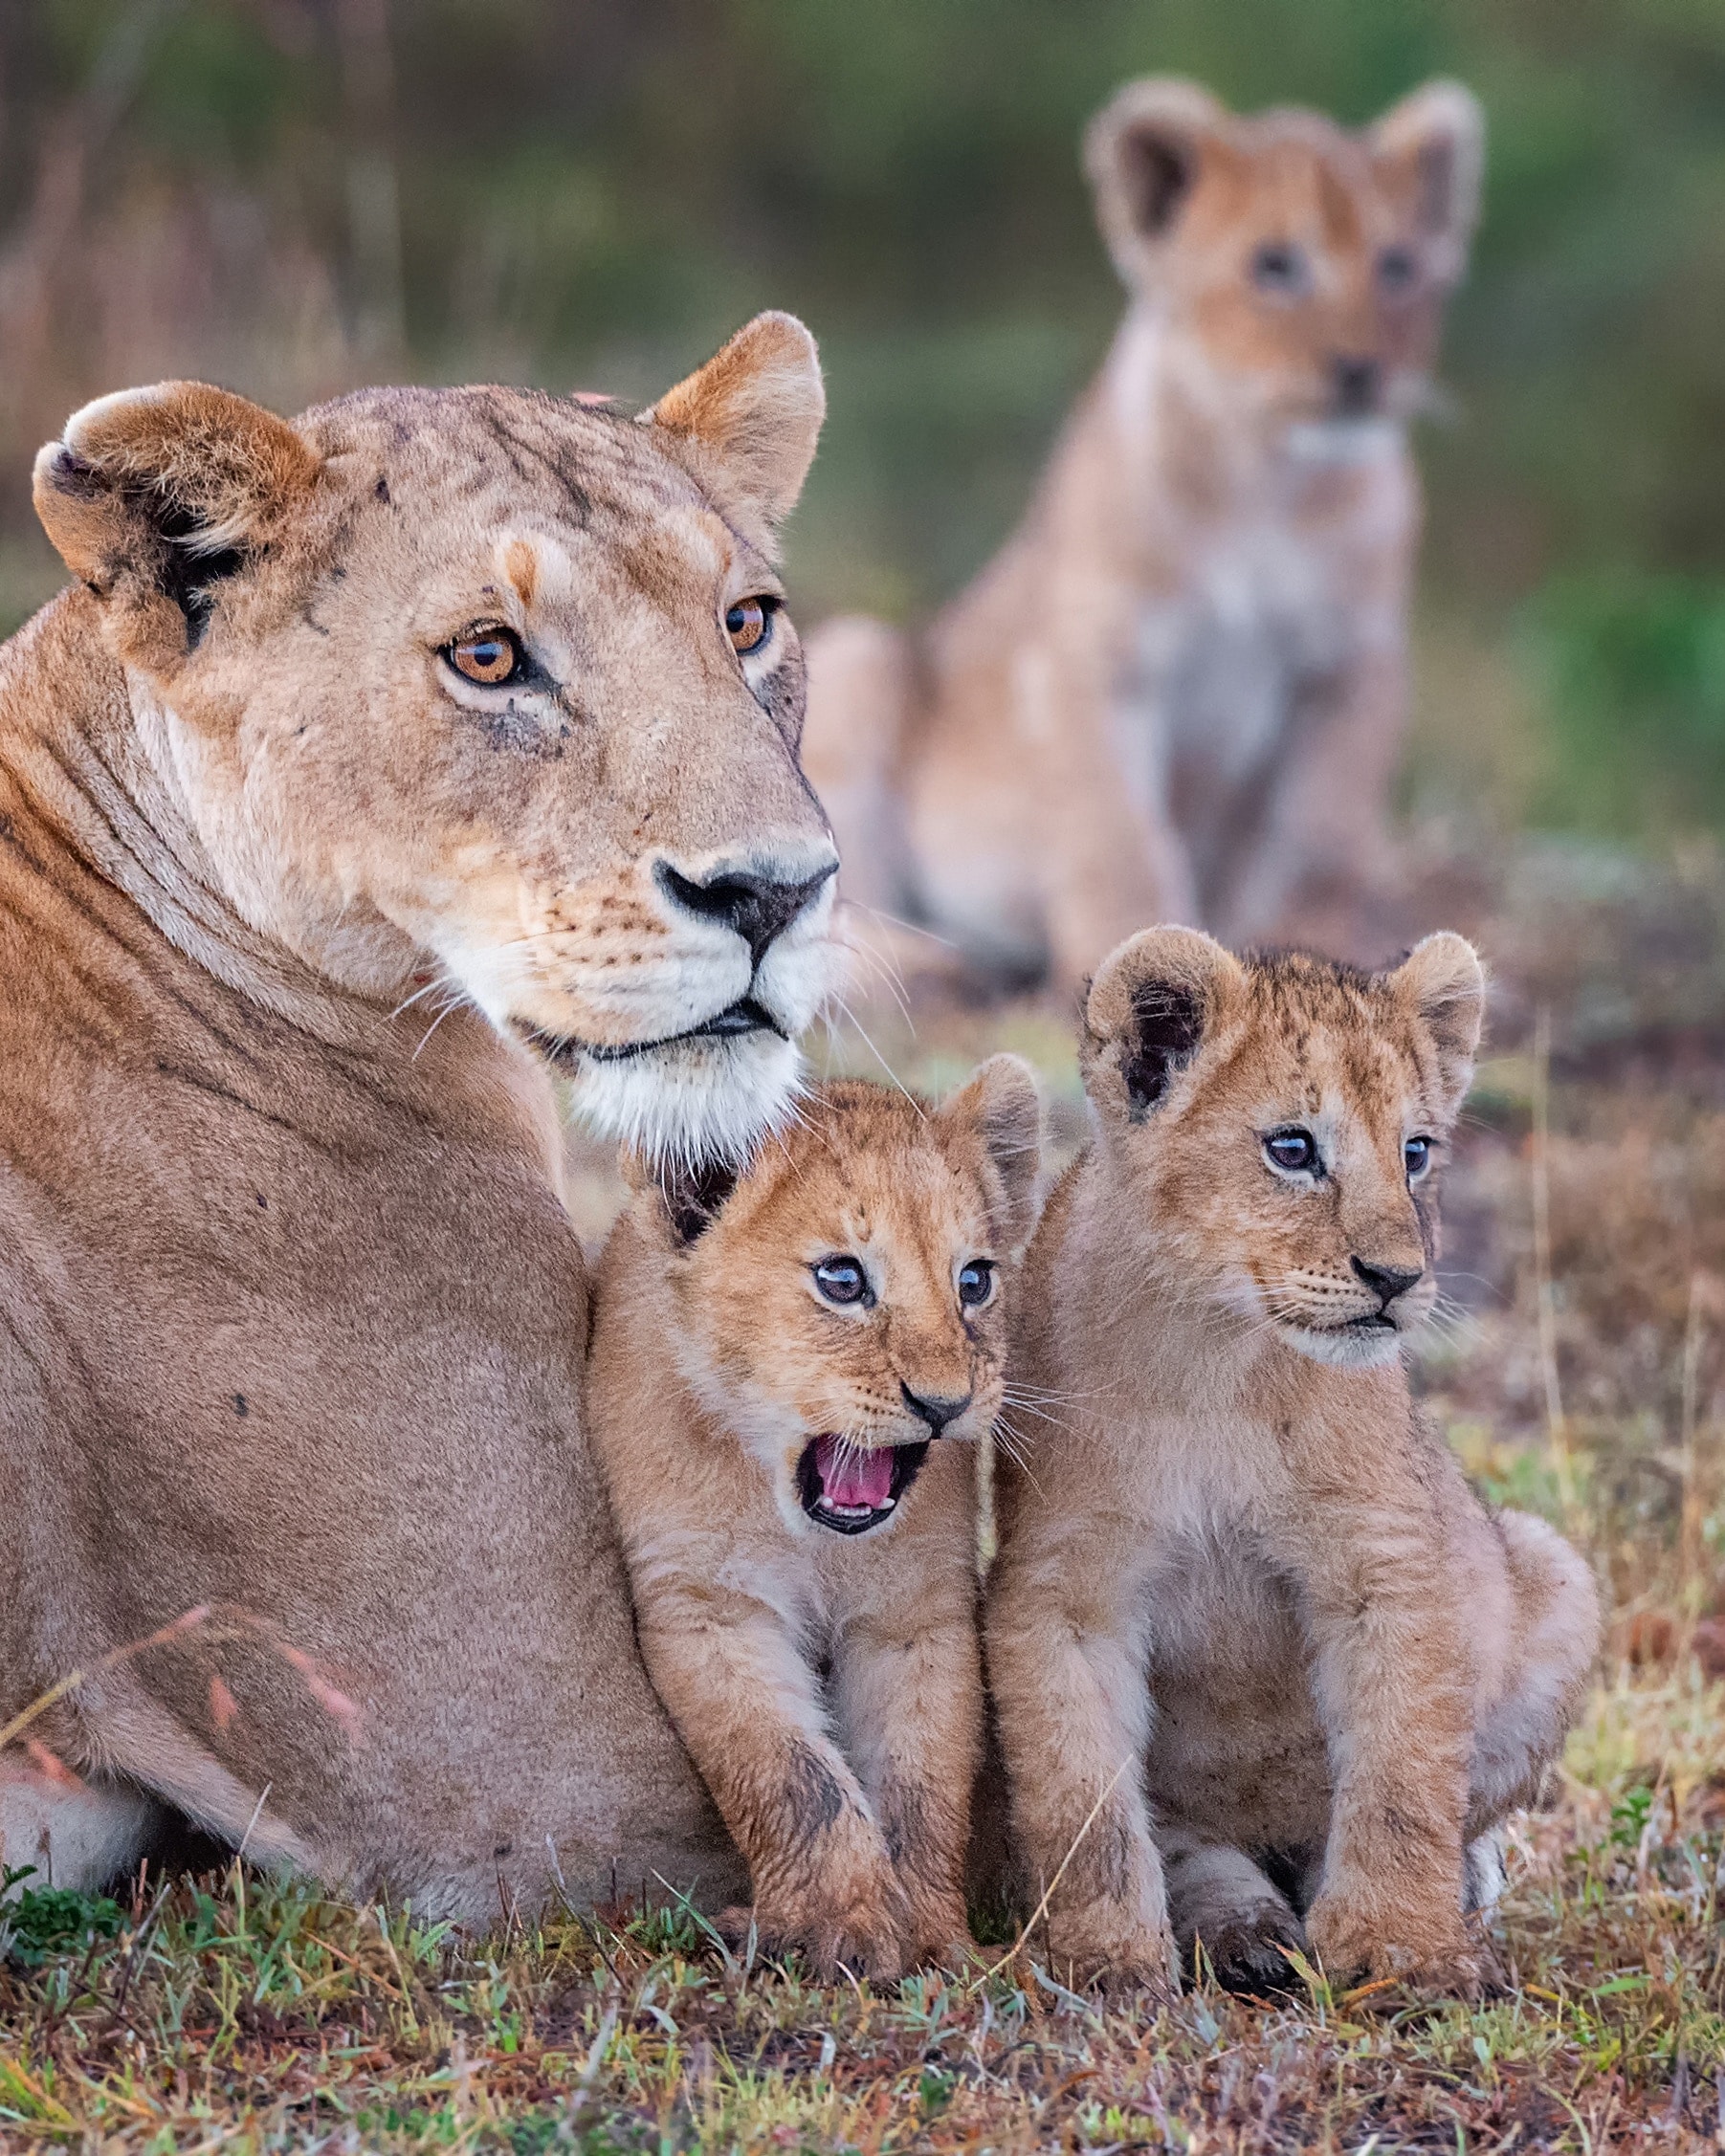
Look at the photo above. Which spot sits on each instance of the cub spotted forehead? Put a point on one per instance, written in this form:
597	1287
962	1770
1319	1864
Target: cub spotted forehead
873	1158
1171	1014
1168	161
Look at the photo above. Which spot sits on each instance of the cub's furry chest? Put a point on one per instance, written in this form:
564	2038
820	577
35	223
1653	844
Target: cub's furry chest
1213	670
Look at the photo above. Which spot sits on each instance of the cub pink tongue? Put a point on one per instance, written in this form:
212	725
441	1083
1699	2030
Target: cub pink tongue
857	1480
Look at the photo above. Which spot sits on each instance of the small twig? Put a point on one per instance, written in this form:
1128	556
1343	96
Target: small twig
116	2005
1047	1893
70	1683
401	1974
1689	1537
1556	1428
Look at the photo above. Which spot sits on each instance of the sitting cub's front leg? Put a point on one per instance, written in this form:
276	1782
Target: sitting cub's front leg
745	1702
1067	1658
909	1694
1393	1682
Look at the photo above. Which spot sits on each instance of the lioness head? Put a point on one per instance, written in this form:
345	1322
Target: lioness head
1306	263
842	1301
1275	1123
493	690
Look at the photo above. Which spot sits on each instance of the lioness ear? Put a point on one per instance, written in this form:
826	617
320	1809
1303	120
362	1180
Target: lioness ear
1439	134
1148	1009
1143	152
1445	984
756	408
1004	1102
153	495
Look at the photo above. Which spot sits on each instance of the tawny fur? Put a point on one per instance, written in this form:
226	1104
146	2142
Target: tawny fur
1178	692
1245	1597
828	1685
295	923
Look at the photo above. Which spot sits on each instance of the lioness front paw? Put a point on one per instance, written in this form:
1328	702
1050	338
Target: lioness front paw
865	1939
1427	1954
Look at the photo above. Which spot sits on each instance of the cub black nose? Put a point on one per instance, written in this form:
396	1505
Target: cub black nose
1387	1281
1355	384
757	907
931	1408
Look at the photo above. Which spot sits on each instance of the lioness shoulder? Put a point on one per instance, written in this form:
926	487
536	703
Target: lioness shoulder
784	1367
381	764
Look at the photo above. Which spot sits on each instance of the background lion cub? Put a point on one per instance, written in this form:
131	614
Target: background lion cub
1242	1558
777	1372
1178	690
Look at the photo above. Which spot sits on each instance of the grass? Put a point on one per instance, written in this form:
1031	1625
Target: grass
234	2010
238	2012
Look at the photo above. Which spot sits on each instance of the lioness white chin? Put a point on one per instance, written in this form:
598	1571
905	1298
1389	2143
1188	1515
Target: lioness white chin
380	765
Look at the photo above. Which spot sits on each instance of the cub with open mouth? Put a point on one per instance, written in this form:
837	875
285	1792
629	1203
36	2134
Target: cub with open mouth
781	1363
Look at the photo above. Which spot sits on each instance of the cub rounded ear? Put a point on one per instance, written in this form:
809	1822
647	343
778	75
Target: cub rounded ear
152	495
756	410
1437	133
1445	984
1143	152
1154	999
1002	1101
693	1196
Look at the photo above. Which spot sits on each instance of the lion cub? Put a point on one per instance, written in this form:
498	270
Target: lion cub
1179	687
1246	1602
780	1368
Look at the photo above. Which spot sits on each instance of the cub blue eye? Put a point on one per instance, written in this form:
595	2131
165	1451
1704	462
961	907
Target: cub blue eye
1278	266
976	1281
1397	269
841	1279
1417	1154
1292	1150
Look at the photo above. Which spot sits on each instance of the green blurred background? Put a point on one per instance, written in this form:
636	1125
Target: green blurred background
293	196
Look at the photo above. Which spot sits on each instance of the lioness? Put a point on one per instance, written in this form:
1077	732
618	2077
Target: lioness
780	1371
1177	691
473	694
1247	1610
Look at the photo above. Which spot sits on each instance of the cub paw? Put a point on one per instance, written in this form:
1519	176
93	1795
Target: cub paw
954	1950
1249	1952
938	1933
1119	1965
829	1941
1426	1956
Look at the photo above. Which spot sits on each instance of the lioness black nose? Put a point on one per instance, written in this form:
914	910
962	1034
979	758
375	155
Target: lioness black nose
931	1408
1387	1281
757	907
1357	382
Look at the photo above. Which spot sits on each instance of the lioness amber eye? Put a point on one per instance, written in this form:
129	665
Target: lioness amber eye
491	655
1292	1150
1416	1153
976	1281
1279	267
841	1279
746	624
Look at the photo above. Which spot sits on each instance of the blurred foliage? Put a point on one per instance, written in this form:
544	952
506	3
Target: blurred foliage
1634	665
298	194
